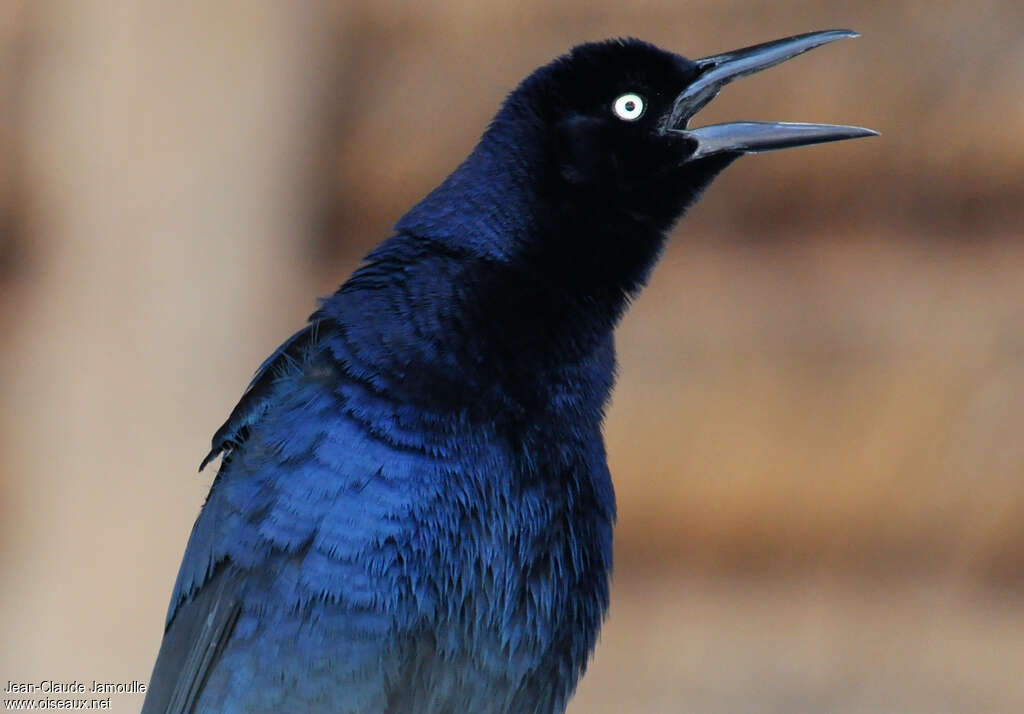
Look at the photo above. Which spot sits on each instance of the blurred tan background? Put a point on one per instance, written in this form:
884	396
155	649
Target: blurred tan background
818	433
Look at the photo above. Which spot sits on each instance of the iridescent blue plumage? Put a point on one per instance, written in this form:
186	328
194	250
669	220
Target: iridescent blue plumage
387	551
414	512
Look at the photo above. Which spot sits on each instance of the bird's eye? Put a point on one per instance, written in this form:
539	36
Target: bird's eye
629	107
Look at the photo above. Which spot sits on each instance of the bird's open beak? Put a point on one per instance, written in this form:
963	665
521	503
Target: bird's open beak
750	137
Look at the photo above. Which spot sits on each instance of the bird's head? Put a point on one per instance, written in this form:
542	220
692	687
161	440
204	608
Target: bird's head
615	118
591	158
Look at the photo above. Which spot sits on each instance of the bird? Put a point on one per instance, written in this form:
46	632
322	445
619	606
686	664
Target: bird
413	511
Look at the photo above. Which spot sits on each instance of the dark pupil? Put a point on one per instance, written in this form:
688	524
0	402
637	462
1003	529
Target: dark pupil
630	106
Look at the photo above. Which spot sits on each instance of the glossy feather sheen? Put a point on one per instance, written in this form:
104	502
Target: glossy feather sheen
414	511
380	540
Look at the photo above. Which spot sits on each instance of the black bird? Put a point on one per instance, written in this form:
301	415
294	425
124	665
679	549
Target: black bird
414	512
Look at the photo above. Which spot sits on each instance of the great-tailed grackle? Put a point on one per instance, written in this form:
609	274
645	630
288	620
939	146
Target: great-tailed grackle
414	511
